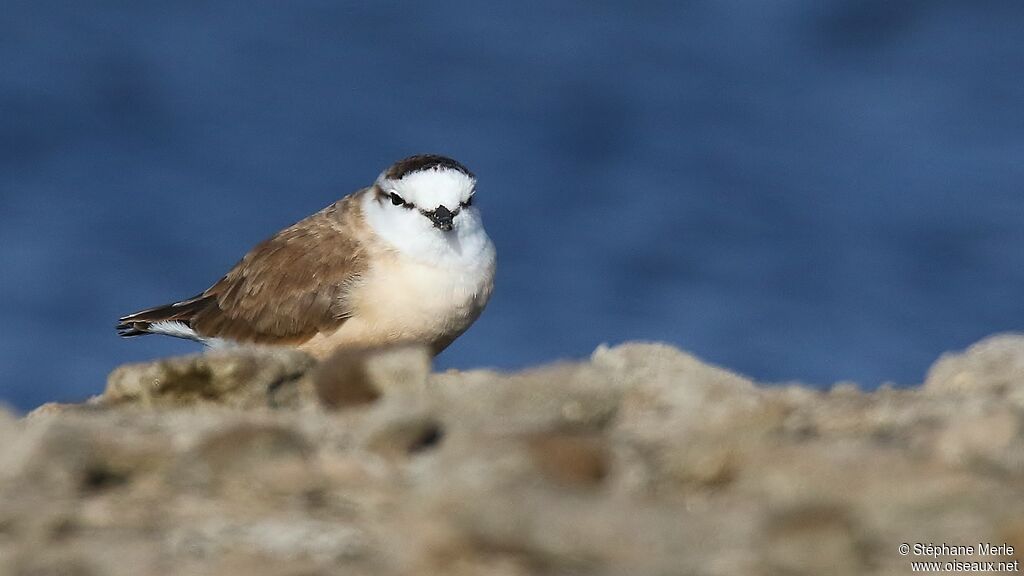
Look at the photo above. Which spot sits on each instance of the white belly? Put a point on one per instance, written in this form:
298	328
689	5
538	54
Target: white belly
400	300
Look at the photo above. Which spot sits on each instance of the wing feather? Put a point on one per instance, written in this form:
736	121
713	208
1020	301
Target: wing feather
290	286
284	291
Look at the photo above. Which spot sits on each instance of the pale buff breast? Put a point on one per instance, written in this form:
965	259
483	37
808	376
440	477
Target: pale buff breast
399	300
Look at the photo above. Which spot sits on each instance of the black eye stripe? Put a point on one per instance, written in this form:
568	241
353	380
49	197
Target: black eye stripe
399	201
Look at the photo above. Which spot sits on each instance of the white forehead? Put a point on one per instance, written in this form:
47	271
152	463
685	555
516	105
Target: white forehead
430	188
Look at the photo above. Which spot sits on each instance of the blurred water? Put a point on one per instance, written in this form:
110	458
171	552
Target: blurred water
806	189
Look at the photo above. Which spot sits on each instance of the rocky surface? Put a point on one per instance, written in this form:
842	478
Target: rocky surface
642	460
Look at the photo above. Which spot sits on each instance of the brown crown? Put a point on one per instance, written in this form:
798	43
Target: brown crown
422	162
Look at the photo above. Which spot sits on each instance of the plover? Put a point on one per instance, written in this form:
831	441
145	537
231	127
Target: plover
405	260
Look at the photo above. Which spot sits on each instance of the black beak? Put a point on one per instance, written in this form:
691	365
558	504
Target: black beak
442	218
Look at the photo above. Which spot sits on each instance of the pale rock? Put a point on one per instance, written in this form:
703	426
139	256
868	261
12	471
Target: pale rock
642	460
249	377
357	377
993	366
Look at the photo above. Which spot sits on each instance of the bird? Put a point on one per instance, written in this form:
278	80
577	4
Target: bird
403	261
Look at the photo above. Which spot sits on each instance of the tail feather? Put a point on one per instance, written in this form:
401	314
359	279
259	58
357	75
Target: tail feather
156	320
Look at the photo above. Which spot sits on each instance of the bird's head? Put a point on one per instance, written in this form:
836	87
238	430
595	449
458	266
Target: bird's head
424	204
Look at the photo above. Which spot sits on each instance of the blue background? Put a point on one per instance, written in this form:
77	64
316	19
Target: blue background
805	189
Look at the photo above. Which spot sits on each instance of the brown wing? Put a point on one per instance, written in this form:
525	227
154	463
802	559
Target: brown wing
284	290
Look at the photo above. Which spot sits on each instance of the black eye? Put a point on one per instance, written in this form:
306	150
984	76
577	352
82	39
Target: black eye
467	203
397	200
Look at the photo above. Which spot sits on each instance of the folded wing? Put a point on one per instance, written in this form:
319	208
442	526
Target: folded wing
284	291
